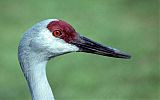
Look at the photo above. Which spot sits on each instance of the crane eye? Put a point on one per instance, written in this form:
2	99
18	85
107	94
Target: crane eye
57	33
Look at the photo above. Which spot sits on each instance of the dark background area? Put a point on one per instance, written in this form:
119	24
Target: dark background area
129	25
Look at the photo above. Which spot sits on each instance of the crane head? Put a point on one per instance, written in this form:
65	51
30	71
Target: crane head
64	31
56	37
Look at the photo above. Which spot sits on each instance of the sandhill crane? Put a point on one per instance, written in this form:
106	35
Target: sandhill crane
48	39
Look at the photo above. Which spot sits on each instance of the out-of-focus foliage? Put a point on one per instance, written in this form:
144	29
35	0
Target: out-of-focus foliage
129	25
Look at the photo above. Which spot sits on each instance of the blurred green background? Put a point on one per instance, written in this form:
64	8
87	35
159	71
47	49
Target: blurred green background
129	25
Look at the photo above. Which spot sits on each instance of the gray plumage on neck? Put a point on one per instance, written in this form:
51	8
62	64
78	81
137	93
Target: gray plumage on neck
33	62
36	47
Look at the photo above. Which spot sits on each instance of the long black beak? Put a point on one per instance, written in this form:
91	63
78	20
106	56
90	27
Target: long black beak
89	46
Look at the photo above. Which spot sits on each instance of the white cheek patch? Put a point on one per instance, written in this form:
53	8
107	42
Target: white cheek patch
60	46
55	45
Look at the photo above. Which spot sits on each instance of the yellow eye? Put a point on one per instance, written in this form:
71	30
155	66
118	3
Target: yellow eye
57	33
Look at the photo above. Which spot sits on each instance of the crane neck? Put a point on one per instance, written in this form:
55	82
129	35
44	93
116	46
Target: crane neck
35	74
